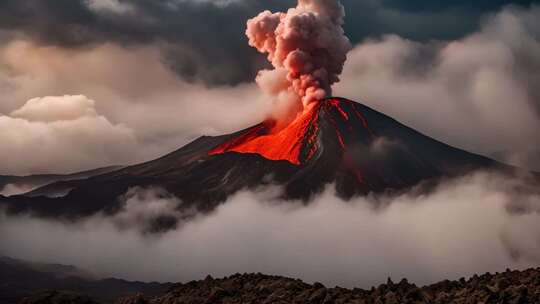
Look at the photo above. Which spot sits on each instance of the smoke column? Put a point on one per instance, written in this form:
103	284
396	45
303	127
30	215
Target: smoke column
307	47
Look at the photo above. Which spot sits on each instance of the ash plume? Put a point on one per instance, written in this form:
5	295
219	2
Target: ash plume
306	46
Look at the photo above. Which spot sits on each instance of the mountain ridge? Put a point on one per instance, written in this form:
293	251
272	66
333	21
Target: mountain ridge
346	143
20	279
489	288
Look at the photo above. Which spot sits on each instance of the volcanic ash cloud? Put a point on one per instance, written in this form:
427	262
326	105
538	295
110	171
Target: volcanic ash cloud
307	47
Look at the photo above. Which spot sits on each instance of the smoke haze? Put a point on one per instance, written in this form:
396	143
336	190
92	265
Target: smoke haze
476	224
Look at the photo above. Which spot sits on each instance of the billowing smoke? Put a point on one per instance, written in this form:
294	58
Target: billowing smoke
307	47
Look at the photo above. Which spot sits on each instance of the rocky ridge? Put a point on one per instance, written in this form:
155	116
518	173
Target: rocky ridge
512	287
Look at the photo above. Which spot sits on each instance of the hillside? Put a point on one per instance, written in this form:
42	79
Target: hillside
511	287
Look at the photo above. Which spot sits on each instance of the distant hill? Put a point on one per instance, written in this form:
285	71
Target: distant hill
19	279
512	287
25	184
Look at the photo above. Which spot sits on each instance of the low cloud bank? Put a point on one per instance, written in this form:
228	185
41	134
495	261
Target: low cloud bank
472	225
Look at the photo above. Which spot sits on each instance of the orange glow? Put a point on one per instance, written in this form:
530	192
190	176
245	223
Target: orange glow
277	144
297	142
337	104
341	140
363	120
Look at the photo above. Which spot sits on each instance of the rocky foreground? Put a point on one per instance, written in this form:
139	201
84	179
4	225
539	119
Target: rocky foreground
507	287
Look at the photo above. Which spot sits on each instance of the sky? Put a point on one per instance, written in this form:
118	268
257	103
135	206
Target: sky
94	83
107	82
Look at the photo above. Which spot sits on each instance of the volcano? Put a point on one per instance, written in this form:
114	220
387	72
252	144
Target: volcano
335	141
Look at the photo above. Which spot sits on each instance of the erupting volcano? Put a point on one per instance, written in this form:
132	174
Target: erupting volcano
335	141
306	46
274	143
315	142
298	142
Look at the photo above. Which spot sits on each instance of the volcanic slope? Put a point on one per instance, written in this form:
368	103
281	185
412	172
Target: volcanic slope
335	141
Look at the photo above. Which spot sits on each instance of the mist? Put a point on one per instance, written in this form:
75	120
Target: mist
475	224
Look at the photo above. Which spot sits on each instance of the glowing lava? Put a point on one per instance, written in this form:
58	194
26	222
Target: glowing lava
298	142
277	144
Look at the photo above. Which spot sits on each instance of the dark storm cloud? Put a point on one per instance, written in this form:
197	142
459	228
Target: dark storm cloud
419	20
199	40
204	40
438	5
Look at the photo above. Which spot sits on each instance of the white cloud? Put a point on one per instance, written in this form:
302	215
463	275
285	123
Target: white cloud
63	133
114	6
56	108
129	89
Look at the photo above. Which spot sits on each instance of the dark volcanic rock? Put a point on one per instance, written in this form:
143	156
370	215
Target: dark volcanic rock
136	299
519	287
21	279
508	287
57	297
338	142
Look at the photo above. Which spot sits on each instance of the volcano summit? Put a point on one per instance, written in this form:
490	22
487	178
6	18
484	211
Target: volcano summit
335	141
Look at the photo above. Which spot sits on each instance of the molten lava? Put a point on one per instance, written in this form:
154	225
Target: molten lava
297	142
277	144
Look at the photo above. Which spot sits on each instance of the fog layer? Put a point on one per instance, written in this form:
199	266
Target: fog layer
476	224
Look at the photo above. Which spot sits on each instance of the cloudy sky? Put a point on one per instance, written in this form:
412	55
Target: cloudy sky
91	83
